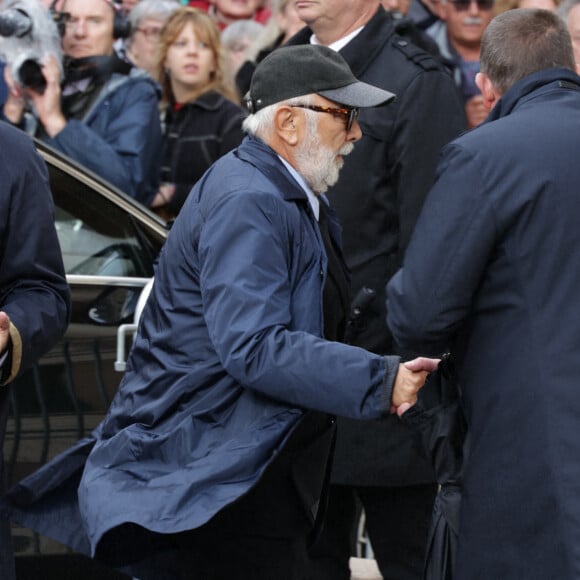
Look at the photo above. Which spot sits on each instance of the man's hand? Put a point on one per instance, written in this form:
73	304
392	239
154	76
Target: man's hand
47	105
4	331
410	378
164	195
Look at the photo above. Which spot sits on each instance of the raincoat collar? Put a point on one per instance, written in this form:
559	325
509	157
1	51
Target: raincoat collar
254	151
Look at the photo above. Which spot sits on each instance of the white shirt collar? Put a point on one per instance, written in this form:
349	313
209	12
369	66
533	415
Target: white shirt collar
341	42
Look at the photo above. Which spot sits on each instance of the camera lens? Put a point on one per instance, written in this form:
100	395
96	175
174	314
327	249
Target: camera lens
31	77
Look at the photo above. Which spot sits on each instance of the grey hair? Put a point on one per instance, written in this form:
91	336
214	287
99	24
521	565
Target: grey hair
159	9
261	123
564	8
239	31
520	42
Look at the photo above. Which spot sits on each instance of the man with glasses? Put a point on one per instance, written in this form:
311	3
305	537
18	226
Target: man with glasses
104	115
147	19
378	198
458	36
217	446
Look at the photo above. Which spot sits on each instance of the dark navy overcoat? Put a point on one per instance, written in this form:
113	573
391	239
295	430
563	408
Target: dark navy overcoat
493	271
227	358
33	288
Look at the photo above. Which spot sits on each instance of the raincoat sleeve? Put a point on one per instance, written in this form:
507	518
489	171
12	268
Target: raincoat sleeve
246	288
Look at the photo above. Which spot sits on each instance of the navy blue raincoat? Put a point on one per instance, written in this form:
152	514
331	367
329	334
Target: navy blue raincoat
227	358
493	270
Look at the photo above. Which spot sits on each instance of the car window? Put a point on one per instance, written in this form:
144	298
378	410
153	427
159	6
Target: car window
96	236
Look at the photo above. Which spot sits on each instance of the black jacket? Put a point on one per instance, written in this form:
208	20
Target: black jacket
194	137
378	197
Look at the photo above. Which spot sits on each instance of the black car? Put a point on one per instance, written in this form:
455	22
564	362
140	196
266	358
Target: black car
109	244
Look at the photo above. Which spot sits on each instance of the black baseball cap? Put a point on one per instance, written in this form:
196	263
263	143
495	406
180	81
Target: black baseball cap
293	71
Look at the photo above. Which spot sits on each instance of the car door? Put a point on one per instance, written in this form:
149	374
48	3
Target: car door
109	245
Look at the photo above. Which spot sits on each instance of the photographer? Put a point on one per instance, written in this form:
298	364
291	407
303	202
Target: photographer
104	115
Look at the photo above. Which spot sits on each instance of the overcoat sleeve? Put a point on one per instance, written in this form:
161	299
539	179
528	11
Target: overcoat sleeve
33	288
247	294
431	295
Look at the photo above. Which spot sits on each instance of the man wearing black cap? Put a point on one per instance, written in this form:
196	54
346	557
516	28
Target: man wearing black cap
216	447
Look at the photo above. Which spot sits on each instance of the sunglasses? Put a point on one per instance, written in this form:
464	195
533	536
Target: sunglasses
462	5
349	115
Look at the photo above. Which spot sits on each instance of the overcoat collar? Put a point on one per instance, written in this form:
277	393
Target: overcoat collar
564	78
254	151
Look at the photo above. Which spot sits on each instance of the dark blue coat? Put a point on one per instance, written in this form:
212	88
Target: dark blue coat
119	138
493	271
33	288
227	360
228	356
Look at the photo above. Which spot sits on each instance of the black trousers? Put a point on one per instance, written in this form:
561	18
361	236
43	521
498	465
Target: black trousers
265	534
215	554
397	522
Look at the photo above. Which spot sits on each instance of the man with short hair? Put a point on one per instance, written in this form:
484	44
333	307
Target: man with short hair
378	198
458	35
492	273
218	442
105	115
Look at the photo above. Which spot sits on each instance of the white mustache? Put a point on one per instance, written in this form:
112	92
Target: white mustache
346	149
473	20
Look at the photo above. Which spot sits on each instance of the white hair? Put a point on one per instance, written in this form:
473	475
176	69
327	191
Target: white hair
261	123
158	9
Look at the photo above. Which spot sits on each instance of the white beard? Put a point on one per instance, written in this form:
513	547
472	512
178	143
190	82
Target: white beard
319	165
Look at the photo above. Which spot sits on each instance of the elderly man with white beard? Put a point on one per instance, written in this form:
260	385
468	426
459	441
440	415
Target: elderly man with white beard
216	449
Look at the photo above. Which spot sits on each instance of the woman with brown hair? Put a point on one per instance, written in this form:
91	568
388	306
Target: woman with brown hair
200	118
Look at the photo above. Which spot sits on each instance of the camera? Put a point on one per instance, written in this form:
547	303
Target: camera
29	33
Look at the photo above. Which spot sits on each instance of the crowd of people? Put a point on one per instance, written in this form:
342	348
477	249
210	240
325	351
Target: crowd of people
114	92
295	145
